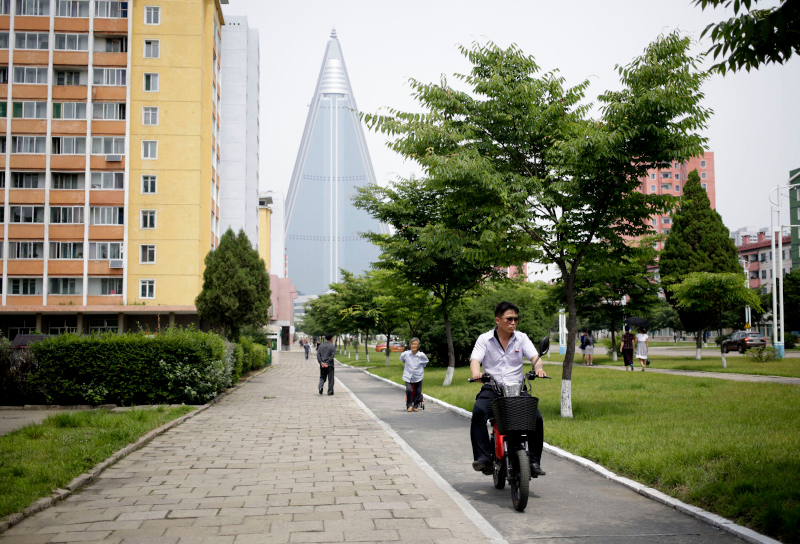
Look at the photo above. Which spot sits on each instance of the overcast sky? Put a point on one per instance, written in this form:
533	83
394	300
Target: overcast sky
754	132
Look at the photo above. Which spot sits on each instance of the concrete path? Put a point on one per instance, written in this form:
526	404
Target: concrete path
11	419
569	505
274	462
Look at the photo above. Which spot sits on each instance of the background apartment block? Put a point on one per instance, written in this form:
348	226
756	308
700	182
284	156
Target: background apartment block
240	128
110	113
755	252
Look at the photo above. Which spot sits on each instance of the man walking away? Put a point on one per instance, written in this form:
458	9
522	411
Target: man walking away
325	353
307	348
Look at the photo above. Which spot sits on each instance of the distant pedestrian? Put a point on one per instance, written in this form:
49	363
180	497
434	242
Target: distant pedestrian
588	348
642	347
325	355
413	372
306	347
583	346
675	337
627	348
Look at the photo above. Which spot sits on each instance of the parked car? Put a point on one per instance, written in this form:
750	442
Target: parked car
743	340
393	346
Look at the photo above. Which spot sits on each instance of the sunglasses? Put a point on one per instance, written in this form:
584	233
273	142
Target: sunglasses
512	319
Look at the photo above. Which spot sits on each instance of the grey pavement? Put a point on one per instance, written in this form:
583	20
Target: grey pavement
569	505
11	419
273	462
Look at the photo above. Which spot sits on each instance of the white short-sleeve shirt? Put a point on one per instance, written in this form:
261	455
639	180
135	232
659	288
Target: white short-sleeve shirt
503	365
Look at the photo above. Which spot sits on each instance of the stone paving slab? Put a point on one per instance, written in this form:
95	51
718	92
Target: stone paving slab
272	462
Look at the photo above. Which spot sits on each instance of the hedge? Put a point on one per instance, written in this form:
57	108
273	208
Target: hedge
175	366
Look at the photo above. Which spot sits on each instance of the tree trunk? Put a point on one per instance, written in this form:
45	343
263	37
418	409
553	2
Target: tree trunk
572	325
613	344
366	345
451	354
698	342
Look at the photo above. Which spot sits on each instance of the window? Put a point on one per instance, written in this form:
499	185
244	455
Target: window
150	115
147	254
652	176
754	275
149	185
105	286
30	75
29	110
110	10
702	164
2	185
108	180
69	110
3	39
66	250
72	42
666	175
703	175
652	188
705	186
33	7
31	40
677	165
66	286
66	215
677	176
151	49
28	144
3	71
111	45
764	257
103	251
107	215
27	180
69	77
148	219
114	111
666	220
149	149
62	326
27	214
25	286
147	288
666	186
763	274
26	250
151	83
152	15
665	231
61	180
72	8
110	76
654	221
63	145
677	188
108	145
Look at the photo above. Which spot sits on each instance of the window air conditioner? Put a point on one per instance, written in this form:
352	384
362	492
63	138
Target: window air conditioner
115	263
113	158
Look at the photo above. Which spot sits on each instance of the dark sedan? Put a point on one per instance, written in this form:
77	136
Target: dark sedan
742	341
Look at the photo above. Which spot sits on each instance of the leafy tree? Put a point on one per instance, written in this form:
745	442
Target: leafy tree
520	163
712	295
698	242
663	316
431	245
235	286
759	36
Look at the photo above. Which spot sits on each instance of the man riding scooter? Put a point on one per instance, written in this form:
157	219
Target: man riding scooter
502	351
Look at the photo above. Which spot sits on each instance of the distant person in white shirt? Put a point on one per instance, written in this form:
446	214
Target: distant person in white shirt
502	351
642	347
413	372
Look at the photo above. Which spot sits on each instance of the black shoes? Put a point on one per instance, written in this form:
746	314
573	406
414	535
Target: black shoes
330	392
482	465
320	390
536	470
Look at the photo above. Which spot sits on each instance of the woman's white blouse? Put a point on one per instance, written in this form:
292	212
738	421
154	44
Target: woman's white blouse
414	368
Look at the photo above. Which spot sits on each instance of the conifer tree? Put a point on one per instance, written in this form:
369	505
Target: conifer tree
698	242
236	289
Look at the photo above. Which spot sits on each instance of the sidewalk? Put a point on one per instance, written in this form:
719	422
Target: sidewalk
273	462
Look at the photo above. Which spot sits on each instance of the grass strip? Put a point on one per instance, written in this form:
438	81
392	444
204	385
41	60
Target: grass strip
789	367
39	458
731	448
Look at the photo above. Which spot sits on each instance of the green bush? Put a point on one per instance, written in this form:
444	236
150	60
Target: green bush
247	347
259	335
789	340
763	354
16	367
237	357
176	366
256	355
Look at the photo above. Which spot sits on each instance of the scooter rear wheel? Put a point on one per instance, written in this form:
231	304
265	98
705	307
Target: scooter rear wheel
520	479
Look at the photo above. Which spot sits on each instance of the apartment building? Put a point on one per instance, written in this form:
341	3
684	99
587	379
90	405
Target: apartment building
671	181
109	115
756	255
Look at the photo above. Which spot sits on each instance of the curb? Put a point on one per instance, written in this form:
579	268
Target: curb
85	479
712	519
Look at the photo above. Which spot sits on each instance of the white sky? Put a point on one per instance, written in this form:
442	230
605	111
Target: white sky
754	133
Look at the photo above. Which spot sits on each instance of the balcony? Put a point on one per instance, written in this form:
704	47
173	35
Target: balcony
103	268
68	162
107	232
66	196
66	233
28	162
115	60
110	128
26	231
26	196
68	58
64	300
105	197
104	300
72	24
24	300
65	267
69	127
68	92
109	93
30	91
25	267
98	162
30	57
29	126
22	22
111	26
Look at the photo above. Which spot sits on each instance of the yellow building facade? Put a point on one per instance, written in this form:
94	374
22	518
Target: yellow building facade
110	112
264	232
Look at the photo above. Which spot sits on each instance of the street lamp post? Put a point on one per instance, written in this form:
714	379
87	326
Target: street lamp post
777	267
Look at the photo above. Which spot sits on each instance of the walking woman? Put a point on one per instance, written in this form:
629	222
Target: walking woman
642	346
413	372
588	348
627	348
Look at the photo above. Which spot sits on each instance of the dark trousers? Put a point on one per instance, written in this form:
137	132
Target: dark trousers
413	394
479	434
307	350
627	356
326	373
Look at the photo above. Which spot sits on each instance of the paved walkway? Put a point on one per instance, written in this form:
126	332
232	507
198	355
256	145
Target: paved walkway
273	462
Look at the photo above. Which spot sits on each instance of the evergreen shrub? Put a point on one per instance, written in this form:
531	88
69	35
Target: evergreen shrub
176	366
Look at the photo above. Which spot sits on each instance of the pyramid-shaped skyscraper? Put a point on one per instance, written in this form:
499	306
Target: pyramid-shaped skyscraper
322	225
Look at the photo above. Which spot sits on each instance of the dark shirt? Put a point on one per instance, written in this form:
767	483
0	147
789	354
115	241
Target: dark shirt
325	353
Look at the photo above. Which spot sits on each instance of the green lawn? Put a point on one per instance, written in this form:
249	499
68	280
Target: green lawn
37	459
789	367
732	448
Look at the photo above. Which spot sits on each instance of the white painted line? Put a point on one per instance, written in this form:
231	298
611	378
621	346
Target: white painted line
712	519
472	514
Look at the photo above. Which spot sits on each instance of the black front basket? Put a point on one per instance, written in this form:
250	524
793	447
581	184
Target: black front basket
515	414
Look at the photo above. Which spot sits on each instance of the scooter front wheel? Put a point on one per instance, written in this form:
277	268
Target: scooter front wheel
499	474
520	479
